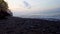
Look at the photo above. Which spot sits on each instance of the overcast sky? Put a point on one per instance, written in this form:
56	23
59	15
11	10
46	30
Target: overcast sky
34	4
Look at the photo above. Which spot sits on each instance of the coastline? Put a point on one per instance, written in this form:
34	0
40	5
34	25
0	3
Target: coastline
16	25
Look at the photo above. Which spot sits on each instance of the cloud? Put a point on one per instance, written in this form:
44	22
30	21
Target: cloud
26	4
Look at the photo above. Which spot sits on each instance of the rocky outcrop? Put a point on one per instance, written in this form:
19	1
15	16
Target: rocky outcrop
4	11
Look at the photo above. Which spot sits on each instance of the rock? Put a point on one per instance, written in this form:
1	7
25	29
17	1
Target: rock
9	12
16	25
5	14
1	1
4	11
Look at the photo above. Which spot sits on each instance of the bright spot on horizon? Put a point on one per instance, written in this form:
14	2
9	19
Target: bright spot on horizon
36	5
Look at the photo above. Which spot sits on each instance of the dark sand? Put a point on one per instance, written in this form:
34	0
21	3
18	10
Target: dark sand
15	25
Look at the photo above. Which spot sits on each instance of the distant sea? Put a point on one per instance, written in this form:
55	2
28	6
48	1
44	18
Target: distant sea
54	14
48	17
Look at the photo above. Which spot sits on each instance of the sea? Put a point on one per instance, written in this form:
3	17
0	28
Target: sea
48	15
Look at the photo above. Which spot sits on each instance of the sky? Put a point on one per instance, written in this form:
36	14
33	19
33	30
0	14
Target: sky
33	5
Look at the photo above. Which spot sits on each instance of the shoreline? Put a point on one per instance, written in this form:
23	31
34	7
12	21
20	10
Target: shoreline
16	25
